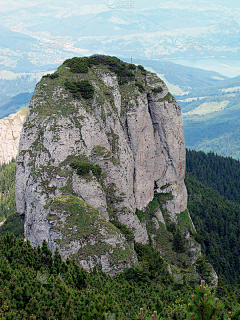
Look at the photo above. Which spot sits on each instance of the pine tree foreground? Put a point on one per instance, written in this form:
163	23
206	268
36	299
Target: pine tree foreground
204	305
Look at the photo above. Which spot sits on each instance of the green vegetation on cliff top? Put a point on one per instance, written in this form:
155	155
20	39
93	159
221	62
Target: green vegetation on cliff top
80	79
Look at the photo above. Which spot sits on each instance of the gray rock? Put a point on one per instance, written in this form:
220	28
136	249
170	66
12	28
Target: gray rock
160	217
91	192
137	140
10	129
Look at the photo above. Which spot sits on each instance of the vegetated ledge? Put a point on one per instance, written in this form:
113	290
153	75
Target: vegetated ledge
75	220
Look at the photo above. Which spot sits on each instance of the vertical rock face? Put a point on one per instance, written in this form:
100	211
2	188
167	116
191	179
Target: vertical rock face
93	113
10	129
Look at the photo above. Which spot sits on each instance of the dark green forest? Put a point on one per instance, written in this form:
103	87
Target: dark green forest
7	189
13	224
217	221
213	186
218	172
36	285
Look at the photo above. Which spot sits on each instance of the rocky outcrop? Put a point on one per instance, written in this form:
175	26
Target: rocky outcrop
131	128
10	129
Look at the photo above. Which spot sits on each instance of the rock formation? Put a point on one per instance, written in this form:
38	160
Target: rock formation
102	149
10	129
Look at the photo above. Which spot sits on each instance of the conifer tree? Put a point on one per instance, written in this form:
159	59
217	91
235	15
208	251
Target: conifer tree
204	305
57	259
178	242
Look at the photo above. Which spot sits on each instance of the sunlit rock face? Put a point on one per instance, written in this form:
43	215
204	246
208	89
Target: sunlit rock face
130	127
10	130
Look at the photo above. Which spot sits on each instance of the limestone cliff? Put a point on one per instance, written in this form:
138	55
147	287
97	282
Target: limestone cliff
10	129
102	148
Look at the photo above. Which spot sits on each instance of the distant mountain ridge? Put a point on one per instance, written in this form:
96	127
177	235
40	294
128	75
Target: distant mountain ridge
20	101
217	130
48	34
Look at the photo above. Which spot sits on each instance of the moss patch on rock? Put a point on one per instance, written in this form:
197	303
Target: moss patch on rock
113	198
101	151
169	97
83	167
78	221
124	230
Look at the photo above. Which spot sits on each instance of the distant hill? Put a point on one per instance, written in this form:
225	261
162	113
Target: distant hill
211	122
187	78
210	105
16	103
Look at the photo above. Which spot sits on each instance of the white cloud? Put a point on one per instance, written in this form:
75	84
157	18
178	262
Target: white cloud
117	20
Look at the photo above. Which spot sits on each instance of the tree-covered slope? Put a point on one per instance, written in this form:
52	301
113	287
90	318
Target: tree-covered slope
36	285
217	220
13	224
7	189
56	289
218	172
214	202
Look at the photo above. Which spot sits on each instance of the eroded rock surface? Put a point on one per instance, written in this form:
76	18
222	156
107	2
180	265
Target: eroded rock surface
10	129
131	129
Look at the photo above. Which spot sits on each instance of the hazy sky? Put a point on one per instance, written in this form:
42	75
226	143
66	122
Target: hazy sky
180	28
137	4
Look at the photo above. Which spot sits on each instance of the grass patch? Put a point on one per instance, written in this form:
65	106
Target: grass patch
115	160
185	222
77	65
165	186
164	197
80	89
169	97
124	230
102	151
83	222
162	238
140	86
112	199
80	217
157	90
140	215
113	140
